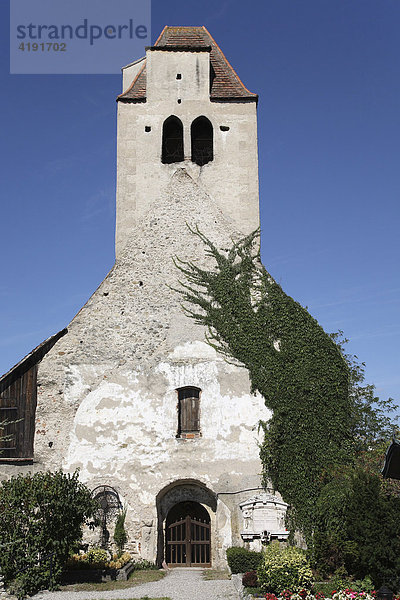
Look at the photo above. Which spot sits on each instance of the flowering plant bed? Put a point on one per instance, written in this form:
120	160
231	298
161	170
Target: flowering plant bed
95	567
346	594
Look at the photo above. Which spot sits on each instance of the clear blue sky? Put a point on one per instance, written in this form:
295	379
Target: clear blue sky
327	72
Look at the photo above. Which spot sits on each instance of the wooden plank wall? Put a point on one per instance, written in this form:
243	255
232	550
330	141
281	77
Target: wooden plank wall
18	402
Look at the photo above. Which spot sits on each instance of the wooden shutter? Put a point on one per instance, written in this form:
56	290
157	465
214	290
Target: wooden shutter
189	412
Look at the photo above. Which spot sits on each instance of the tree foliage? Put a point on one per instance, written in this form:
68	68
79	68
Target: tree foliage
358	528
372	424
41	519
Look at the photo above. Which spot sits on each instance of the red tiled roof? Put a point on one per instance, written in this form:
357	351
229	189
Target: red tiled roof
225	85
137	91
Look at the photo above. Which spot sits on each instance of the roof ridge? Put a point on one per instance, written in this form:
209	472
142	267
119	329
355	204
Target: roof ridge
159	37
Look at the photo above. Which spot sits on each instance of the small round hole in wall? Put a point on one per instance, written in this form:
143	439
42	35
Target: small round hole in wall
224	127
147	128
179	75
179	100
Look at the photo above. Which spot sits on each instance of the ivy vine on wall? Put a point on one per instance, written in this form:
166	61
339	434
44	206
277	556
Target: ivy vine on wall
297	367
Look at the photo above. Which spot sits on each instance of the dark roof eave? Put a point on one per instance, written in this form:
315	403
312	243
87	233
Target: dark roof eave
180	48
29	360
235	98
130	100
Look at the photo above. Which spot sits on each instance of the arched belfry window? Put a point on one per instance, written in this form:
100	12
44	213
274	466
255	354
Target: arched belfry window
202	141
172	140
188	412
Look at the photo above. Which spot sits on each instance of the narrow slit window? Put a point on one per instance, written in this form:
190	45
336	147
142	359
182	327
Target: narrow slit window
188	412
172	140
202	141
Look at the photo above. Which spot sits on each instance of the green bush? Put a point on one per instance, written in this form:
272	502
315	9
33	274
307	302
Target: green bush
97	557
241	560
144	565
41	518
283	569
327	588
363	585
120	537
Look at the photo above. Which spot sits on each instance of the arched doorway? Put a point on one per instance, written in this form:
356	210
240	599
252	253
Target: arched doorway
188	536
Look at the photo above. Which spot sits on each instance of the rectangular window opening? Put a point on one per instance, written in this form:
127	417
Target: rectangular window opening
188	413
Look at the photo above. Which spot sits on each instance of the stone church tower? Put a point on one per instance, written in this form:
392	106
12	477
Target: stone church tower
131	394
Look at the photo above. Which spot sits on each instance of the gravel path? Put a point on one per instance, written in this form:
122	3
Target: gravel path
179	584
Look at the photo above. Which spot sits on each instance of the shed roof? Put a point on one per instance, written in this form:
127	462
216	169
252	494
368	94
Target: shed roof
225	85
30	359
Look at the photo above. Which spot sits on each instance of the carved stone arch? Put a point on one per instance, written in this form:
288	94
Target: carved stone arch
180	491
202	141
172	140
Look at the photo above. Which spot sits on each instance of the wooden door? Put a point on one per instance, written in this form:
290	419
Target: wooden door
200	547
188	543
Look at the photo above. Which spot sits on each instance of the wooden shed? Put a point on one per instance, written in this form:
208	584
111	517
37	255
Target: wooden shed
18	394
